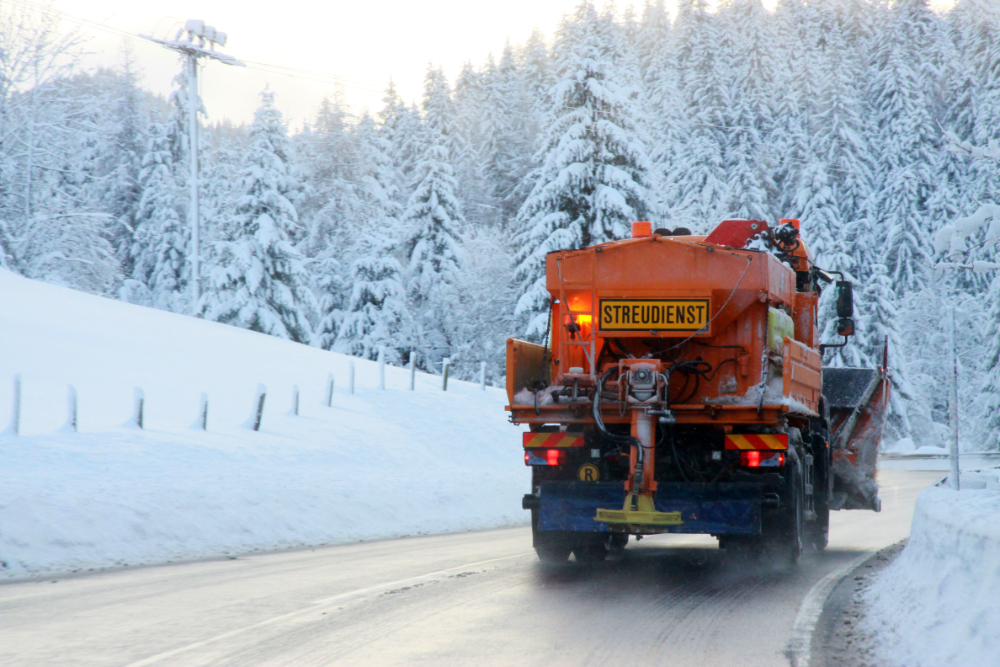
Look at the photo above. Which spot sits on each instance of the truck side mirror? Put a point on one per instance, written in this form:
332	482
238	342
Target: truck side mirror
845	301
845	327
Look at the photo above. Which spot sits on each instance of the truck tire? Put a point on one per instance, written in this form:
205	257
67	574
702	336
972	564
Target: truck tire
818	532
552	553
595	548
551	548
783	527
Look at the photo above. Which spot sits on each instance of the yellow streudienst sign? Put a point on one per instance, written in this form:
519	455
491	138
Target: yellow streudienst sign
653	314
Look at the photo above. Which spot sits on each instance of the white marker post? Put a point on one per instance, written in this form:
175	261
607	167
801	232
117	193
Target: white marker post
15	412
444	374
381	368
202	422
413	370
954	478
71	405
329	390
482	375
138	407
350	382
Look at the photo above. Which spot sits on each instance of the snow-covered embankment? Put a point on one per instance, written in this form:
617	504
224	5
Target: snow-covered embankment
937	603
375	464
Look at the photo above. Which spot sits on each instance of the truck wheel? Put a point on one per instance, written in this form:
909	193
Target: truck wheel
618	543
552	553
549	547
818	532
783	528
593	551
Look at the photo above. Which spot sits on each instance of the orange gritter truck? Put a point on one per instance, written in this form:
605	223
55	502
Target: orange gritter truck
681	390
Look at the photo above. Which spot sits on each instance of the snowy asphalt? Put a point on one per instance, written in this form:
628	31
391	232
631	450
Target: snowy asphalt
464	599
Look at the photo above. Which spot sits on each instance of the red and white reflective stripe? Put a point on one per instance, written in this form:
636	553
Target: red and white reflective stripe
762	441
548	440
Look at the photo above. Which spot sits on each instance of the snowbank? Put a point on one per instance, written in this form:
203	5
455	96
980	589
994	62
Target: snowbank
375	464
937	604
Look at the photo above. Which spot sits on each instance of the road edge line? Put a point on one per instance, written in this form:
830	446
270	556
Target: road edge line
799	650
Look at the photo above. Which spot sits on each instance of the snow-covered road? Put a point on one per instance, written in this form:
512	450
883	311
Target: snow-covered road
461	599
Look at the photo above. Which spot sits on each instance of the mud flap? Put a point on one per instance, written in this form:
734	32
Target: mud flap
858	399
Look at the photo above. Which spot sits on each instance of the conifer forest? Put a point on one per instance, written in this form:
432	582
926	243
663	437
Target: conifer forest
419	229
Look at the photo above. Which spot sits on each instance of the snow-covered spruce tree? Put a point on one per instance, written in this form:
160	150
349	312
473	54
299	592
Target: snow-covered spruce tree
989	395
653	42
159	252
260	283
750	188
796	34
468	104
593	174
501	152
696	181
377	317
432	222
839	140
900	98
877	323
124	162
346	322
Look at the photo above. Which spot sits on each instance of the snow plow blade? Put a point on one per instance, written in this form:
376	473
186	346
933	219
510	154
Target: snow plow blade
858	399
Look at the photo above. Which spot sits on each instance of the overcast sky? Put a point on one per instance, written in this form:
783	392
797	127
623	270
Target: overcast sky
362	43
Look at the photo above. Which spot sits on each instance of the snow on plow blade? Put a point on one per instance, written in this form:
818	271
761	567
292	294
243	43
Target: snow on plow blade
858	399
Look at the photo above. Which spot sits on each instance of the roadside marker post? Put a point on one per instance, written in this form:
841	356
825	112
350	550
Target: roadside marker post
482	375
137	408
381	368
15	412
351	379
329	390
71	406
444	375
413	370
258	408
202	422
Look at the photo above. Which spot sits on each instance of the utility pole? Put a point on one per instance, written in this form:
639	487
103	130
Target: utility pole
953	404
199	41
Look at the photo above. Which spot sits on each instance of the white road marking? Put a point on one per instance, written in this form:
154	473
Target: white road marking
800	644
312	609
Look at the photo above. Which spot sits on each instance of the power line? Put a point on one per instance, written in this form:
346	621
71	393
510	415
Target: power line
347	81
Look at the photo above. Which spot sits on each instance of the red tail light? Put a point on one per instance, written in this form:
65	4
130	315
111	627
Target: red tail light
544	457
757	459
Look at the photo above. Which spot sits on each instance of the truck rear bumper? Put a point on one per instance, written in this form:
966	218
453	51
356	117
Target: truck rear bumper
721	509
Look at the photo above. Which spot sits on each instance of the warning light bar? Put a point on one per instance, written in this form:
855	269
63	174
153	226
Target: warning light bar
756	459
544	457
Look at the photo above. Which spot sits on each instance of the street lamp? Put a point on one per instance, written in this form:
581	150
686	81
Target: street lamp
195	40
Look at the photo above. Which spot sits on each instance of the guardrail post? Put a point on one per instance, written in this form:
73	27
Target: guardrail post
482	375
15	412
381	368
351	379
444	374
295	400
413	369
202	422
71	406
137	408
258	408
329	390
